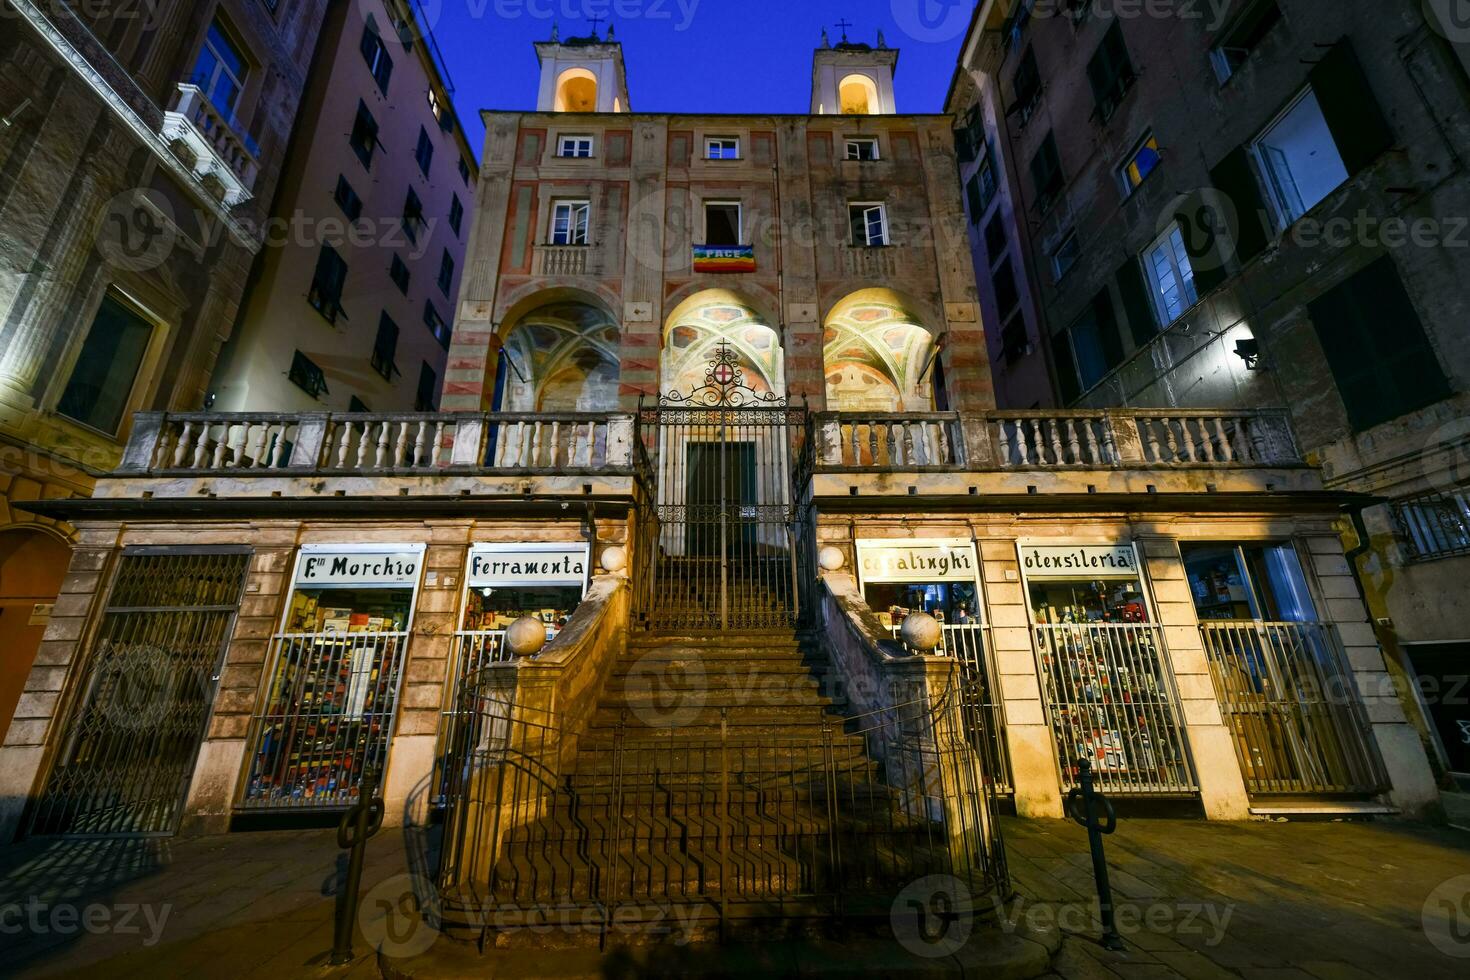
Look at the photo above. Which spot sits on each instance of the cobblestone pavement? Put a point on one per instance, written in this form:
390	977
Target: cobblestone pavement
1329	901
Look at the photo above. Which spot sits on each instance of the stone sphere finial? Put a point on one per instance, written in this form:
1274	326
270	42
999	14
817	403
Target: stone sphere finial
831	558
614	558
921	632
526	636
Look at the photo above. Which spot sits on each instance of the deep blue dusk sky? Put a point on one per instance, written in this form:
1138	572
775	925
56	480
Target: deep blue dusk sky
695	55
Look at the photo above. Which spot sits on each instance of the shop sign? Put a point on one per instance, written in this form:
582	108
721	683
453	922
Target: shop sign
1066	561
511	565
912	560
327	565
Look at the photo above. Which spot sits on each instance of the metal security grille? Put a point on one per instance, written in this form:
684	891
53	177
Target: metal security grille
719	536
1108	698
150	674
1435	525
1288	695
326	718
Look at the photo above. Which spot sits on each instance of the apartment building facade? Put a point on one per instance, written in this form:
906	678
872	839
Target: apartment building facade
350	303
1256	206
141	146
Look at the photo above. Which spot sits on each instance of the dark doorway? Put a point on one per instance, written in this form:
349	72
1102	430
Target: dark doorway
720	492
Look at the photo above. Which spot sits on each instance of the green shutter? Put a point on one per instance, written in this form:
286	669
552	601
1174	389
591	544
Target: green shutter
1234	178
1142	323
1376	347
1357	123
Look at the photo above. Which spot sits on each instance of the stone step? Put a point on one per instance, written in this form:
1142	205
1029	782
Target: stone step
695	720
660	696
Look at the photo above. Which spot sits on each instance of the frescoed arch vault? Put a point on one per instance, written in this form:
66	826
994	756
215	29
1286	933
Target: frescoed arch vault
700	324
562	357
878	356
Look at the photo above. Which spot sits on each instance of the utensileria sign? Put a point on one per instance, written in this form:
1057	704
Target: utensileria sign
917	561
1040	561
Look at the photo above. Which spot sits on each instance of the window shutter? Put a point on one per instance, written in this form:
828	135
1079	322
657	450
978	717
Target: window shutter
1061	351
1376	348
1107	328
857	215
1142	323
1234	178
1353	115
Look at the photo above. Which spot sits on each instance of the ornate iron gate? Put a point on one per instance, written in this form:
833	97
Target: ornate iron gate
134	731
718	543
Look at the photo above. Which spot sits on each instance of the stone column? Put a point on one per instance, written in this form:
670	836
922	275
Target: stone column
1029	740
1414	789
1211	744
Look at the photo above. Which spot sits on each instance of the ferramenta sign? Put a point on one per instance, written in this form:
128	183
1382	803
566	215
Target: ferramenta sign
913	560
527	564
1041	561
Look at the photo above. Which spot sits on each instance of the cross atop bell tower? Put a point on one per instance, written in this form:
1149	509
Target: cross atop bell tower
851	78
582	74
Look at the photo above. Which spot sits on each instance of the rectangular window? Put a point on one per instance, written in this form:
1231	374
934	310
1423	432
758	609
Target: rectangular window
436	105
1435	525
220	70
1297	155
327	283
364	138
1065	256
436	324
1111	72
1014	343
1046	174
399	273
569	222
1027	87
306	375
464	171
579	147
356	406
722	148
446	272
375	53
413	216
869	224
1244	36
1376	347
1141	163
385	347
1247	582
1090	348
722	223
1007	295
426	399
456	215
424	152
102	379
1169	275
347	199
862	148
995	238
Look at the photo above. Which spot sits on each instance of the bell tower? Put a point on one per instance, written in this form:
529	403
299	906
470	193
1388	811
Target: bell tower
853	79
582	74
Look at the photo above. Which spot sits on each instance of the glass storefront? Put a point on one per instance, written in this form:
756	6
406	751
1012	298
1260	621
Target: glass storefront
1103	670
901	577
327	714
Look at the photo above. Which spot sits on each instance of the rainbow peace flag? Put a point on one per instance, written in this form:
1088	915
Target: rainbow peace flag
724	258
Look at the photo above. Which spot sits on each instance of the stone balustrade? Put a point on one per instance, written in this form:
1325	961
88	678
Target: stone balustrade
327	443
211	145
566	260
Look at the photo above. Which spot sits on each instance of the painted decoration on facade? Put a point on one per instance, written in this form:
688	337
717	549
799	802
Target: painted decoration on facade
346	565
510	565
724	258
562	357
1060	561
878	355
705	321
913	560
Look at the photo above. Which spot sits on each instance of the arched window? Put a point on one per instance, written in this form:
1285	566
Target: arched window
576	91
858	96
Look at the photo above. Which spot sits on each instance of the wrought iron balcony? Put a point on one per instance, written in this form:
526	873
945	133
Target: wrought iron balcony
222	157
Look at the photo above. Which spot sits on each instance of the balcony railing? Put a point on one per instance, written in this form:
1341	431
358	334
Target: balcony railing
221	156
870	262
566	260
348	443
1055	440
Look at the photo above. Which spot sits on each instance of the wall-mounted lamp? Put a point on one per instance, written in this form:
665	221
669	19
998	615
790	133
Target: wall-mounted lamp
1249	350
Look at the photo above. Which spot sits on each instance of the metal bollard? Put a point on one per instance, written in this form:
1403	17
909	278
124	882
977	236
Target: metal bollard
361	821
1084	805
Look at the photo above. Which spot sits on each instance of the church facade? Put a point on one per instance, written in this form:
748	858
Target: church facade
718	391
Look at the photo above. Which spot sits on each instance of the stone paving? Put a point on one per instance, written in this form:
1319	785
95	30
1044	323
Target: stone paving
1261	901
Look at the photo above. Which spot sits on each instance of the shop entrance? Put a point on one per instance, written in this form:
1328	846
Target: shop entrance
716	545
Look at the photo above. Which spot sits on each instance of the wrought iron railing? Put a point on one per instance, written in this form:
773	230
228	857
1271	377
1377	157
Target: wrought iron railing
720	823
355	443
325	719
1434	525
1109	699
969	643
1287	693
